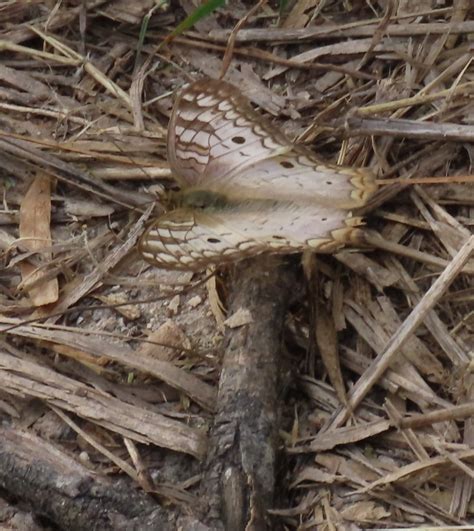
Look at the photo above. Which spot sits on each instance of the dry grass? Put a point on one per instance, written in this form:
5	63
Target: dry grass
132	351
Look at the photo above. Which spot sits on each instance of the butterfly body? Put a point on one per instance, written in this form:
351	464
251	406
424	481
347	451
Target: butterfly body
245	188
199	198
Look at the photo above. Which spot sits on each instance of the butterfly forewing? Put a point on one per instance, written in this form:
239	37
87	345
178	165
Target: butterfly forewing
214	132
216	140
271	196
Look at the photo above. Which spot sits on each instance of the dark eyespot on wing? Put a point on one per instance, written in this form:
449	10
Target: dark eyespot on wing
286	164
213	240
238	140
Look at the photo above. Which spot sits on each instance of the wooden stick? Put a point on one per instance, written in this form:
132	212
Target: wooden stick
240	476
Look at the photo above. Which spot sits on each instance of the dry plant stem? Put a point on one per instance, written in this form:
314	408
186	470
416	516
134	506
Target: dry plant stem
56	486
93	279
411	323
269	57
417	99
103	80
231	43
329	31
240	476
374	239
166	371
463	411
24	377
409	128
66	172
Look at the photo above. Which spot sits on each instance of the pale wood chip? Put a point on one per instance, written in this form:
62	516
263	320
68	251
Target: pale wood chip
35	235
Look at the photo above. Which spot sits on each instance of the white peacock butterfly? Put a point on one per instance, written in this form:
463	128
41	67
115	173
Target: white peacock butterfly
245	188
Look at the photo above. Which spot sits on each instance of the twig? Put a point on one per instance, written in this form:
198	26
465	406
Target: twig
408	128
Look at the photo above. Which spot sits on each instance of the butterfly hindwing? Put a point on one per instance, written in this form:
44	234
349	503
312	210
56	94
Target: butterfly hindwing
193	239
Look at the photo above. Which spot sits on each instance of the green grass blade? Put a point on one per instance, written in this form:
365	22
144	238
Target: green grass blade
283	4
202	11
144	29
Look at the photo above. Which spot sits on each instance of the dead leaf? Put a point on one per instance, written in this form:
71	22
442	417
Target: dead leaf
240	318
130	311
195	301
35	235
174	304
364	511
168	342
326	339
217	307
